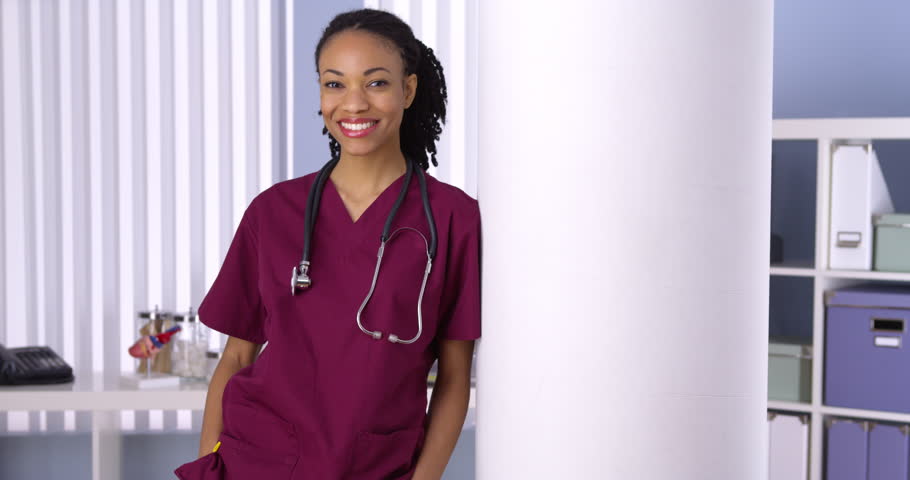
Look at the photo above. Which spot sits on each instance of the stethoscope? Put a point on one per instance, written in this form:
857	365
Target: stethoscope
300	278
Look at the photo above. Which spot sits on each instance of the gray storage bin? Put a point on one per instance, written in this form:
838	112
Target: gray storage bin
847	449
789	371
892	242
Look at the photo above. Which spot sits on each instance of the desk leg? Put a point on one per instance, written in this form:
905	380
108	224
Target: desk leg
106	444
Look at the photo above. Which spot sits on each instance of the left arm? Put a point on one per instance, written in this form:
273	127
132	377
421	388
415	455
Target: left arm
448	407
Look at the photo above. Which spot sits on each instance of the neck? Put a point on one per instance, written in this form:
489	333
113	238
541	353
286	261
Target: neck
369	174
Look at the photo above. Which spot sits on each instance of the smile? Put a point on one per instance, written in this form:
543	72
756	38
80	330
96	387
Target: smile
357	129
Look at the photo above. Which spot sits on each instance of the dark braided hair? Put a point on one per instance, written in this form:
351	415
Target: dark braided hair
420	125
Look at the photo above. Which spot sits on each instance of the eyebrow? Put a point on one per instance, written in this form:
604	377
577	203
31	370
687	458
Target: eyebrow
365	73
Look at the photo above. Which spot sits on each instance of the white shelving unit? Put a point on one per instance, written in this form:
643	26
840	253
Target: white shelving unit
104	398
825	132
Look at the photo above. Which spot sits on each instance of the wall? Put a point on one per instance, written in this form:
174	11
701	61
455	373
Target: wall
841	58
311	148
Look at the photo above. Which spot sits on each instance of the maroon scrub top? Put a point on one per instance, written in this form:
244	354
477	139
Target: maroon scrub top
324	400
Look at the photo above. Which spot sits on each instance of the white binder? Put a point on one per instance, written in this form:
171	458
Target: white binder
858	191
788	447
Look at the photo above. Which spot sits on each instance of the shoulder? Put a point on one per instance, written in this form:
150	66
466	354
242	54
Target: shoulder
283	191
286	188
452	201
277	199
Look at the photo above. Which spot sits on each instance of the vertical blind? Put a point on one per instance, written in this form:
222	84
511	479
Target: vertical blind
449	27
133	134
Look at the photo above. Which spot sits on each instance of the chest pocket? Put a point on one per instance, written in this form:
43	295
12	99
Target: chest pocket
392	307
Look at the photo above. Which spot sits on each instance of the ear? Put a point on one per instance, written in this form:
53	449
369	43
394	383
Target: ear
410	90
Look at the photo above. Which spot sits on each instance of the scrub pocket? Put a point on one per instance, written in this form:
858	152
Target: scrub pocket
256	444
208	467
386	456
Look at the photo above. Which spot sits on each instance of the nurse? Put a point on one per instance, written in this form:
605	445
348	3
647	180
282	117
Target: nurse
325	400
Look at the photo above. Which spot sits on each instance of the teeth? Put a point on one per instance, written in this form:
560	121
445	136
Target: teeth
357	126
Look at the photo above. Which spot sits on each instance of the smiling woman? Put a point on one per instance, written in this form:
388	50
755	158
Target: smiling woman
340	391
382	92
379	67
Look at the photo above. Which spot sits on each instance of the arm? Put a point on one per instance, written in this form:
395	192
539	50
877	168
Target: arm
237	355
448	407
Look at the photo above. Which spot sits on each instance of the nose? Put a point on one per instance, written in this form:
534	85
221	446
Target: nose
355	101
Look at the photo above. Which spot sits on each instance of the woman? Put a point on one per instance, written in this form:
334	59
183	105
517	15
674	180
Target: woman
340	390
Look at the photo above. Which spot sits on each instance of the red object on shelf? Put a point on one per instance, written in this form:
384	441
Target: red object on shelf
149	345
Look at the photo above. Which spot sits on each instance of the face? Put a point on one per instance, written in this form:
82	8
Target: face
363	92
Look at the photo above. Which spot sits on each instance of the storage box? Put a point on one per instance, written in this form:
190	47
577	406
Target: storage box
866	351
789	370
788	446
888	448
892	242
848	447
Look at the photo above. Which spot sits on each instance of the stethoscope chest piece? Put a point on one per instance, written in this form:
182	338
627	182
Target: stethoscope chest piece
300	278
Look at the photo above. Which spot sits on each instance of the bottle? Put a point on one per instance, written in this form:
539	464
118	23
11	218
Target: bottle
201	371
189	353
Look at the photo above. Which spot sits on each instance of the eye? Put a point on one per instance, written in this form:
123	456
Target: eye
378	83
332	84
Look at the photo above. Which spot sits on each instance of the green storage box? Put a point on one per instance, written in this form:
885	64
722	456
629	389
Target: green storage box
892	242
789	371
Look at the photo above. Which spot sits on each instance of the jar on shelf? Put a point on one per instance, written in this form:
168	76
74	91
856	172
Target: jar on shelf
154	322
190	347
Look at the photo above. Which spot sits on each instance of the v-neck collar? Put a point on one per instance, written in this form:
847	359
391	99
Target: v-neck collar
383	202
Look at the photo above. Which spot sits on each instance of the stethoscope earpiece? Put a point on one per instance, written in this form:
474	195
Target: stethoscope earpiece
391	338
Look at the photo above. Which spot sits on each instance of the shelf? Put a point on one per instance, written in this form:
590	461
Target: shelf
789	406
96	393
868	275
875	415
846	128
823	133
793	270
866	414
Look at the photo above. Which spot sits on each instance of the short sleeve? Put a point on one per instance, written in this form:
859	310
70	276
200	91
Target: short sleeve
461	296
233	304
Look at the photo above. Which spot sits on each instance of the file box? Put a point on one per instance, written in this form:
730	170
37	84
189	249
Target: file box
888	451
866	351
858	191
847	445
892	242
788	446
789	370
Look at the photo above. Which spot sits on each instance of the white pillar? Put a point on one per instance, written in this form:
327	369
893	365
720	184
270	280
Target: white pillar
624	181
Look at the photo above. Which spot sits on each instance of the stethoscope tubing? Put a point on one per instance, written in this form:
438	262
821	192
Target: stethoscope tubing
426	274
312	210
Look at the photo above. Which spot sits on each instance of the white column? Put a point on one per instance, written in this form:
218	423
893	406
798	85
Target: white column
624	181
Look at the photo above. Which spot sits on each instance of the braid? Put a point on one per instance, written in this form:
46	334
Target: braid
334	146
422	122
420	127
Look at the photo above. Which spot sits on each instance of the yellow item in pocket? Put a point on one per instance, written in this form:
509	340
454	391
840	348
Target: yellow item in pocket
216	447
